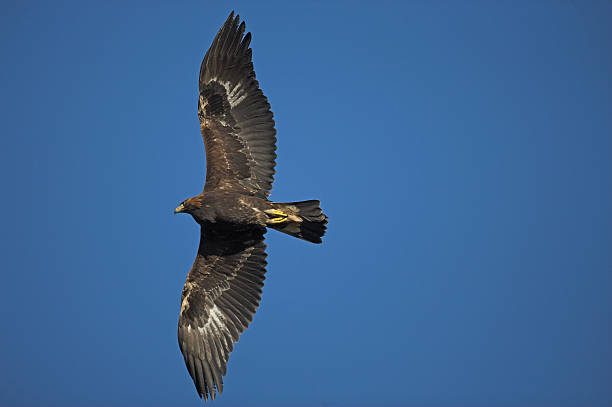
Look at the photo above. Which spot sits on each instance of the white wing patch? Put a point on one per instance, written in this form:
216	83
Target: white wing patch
215	318
235	95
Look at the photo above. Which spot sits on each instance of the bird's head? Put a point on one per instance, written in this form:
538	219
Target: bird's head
189	205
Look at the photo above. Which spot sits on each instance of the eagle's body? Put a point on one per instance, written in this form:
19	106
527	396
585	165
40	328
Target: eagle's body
231	207
223	288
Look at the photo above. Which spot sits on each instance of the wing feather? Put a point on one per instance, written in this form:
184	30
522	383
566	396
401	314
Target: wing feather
235	118
221	294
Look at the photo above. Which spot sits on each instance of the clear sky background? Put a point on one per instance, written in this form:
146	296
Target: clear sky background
463	153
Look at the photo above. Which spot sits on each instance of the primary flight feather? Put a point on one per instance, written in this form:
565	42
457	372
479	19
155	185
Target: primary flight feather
223	288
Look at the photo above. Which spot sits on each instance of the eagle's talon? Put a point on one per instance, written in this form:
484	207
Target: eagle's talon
276	213
276	216
277	220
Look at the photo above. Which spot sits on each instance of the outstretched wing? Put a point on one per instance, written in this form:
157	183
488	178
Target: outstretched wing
219	299
235	117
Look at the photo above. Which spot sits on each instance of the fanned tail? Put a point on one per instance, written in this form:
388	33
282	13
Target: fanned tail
304	220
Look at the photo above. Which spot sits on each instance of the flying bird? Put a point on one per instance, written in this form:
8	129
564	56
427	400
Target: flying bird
223	288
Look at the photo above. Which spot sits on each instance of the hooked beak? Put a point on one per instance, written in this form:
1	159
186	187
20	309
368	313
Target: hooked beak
179	209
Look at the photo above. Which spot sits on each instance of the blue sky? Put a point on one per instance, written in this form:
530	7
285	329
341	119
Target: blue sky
463	155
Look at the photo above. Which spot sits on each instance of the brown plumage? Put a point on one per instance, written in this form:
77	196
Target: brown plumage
223	288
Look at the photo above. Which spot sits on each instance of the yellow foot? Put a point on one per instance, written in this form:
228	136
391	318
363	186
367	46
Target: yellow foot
276	216
276	212
276	220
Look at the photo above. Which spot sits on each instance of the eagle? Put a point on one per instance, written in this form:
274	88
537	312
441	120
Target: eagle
223	289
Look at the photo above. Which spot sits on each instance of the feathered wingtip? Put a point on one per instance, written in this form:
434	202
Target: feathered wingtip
229	19
225	28
229	45
229	29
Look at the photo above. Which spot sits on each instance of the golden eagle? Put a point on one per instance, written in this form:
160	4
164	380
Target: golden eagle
224	285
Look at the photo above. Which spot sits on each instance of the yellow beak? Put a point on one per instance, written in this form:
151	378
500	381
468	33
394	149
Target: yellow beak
179	209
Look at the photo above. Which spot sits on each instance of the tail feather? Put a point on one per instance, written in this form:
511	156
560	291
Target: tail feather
305	220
